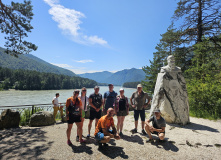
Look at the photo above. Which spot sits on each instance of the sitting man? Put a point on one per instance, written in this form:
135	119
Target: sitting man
158	126
103	132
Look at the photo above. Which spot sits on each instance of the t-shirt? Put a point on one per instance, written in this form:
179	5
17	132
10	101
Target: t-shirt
55	99
96	100
139	100
84	106
122	104
104	123
110	99
158	123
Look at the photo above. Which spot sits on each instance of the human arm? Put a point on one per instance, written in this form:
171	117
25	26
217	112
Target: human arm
66	110
159	130
131	100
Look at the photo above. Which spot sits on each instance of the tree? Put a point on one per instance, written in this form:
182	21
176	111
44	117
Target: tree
201	17
15	23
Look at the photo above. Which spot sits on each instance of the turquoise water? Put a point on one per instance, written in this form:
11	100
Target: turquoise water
13	97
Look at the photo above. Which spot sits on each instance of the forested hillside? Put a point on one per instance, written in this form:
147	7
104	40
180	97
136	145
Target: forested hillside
33	80
30	62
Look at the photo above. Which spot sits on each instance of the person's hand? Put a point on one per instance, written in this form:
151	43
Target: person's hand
98	109
117	137
67	117
133	106
145	106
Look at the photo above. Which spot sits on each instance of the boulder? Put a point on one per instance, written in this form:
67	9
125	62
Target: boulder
9	119
43	118
64	119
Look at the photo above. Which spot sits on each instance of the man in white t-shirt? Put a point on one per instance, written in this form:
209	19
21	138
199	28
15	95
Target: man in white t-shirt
56	106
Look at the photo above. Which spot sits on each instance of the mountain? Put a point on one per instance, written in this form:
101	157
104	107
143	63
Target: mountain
118	78
30	62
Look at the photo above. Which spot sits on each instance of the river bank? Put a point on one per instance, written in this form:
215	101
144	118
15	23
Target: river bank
198	140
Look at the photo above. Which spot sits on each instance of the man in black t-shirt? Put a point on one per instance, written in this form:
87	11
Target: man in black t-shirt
95	102
158	126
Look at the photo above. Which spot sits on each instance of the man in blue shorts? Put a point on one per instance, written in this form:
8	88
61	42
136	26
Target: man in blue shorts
158	126
95	102
103	132
109	98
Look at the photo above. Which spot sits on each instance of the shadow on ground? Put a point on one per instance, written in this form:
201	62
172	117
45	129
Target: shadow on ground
133	138
195	126
167	145
114	152
82	148
21	143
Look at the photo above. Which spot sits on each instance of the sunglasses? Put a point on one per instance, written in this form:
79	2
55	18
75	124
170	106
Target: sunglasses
84	90
77	92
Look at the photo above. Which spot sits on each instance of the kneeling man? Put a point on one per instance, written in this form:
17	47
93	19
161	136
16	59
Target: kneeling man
158	126
103	132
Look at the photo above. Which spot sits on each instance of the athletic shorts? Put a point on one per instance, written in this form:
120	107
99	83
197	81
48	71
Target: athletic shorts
141	113
122	113
99	136
73	119
94	114
154	132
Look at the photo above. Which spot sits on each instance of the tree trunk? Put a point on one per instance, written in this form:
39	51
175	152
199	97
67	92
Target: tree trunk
199	24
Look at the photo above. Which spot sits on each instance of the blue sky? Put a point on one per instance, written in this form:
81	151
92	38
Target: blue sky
88	36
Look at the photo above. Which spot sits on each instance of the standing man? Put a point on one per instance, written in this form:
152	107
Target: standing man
158	126
138	102
109	98
95	102
56	106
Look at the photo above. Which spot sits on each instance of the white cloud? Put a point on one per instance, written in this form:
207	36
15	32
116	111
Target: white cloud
62	65
69	22
84	61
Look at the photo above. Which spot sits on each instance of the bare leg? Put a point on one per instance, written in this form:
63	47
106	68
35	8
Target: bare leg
96	121
78	124
147	128
122	123
69	131
105	140
142	124
89	126
118	123
136	123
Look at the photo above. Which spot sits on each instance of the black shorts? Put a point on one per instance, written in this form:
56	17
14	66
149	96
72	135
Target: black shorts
94	114
141	113
73	119
154	132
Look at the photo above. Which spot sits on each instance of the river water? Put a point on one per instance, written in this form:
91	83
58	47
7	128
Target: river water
18	97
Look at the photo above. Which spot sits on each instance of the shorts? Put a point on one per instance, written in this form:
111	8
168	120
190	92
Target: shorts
73	119
154	132
141	113
122	113
99	136
94	114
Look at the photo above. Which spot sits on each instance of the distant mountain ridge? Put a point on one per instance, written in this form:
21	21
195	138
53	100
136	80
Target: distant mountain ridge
30	62
118	78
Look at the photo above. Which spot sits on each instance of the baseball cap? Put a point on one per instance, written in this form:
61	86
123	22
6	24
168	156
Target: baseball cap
156	110
121	89
96	87
139	85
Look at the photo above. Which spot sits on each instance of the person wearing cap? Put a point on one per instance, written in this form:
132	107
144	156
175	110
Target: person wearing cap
121	108
74	115
102	132
56	106
138	102
158	126
109	98
95	102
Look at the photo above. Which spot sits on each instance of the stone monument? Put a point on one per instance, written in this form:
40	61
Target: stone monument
170	94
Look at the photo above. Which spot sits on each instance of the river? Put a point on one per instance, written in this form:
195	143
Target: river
18	97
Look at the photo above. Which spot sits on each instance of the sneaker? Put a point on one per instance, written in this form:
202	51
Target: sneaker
69	143
143	131
88	136
134	130
121	134
82	141
105	144
100	146
77	138
149	140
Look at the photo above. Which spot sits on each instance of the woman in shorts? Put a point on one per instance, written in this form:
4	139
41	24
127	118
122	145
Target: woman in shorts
121	107
74	115
84	100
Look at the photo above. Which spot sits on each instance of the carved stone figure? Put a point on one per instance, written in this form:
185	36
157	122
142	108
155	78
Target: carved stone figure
170	94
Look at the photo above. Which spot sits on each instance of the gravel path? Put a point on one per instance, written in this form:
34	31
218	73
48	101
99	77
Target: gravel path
199	140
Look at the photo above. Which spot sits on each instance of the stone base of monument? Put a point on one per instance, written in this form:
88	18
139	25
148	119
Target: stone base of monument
170	96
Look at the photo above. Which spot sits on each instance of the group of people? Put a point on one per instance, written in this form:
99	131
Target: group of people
110	104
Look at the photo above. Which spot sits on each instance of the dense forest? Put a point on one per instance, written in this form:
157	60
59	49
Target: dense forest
196	46
131	84
33	80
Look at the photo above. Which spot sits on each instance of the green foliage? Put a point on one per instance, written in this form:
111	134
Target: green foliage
15	23
32	80
131	84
